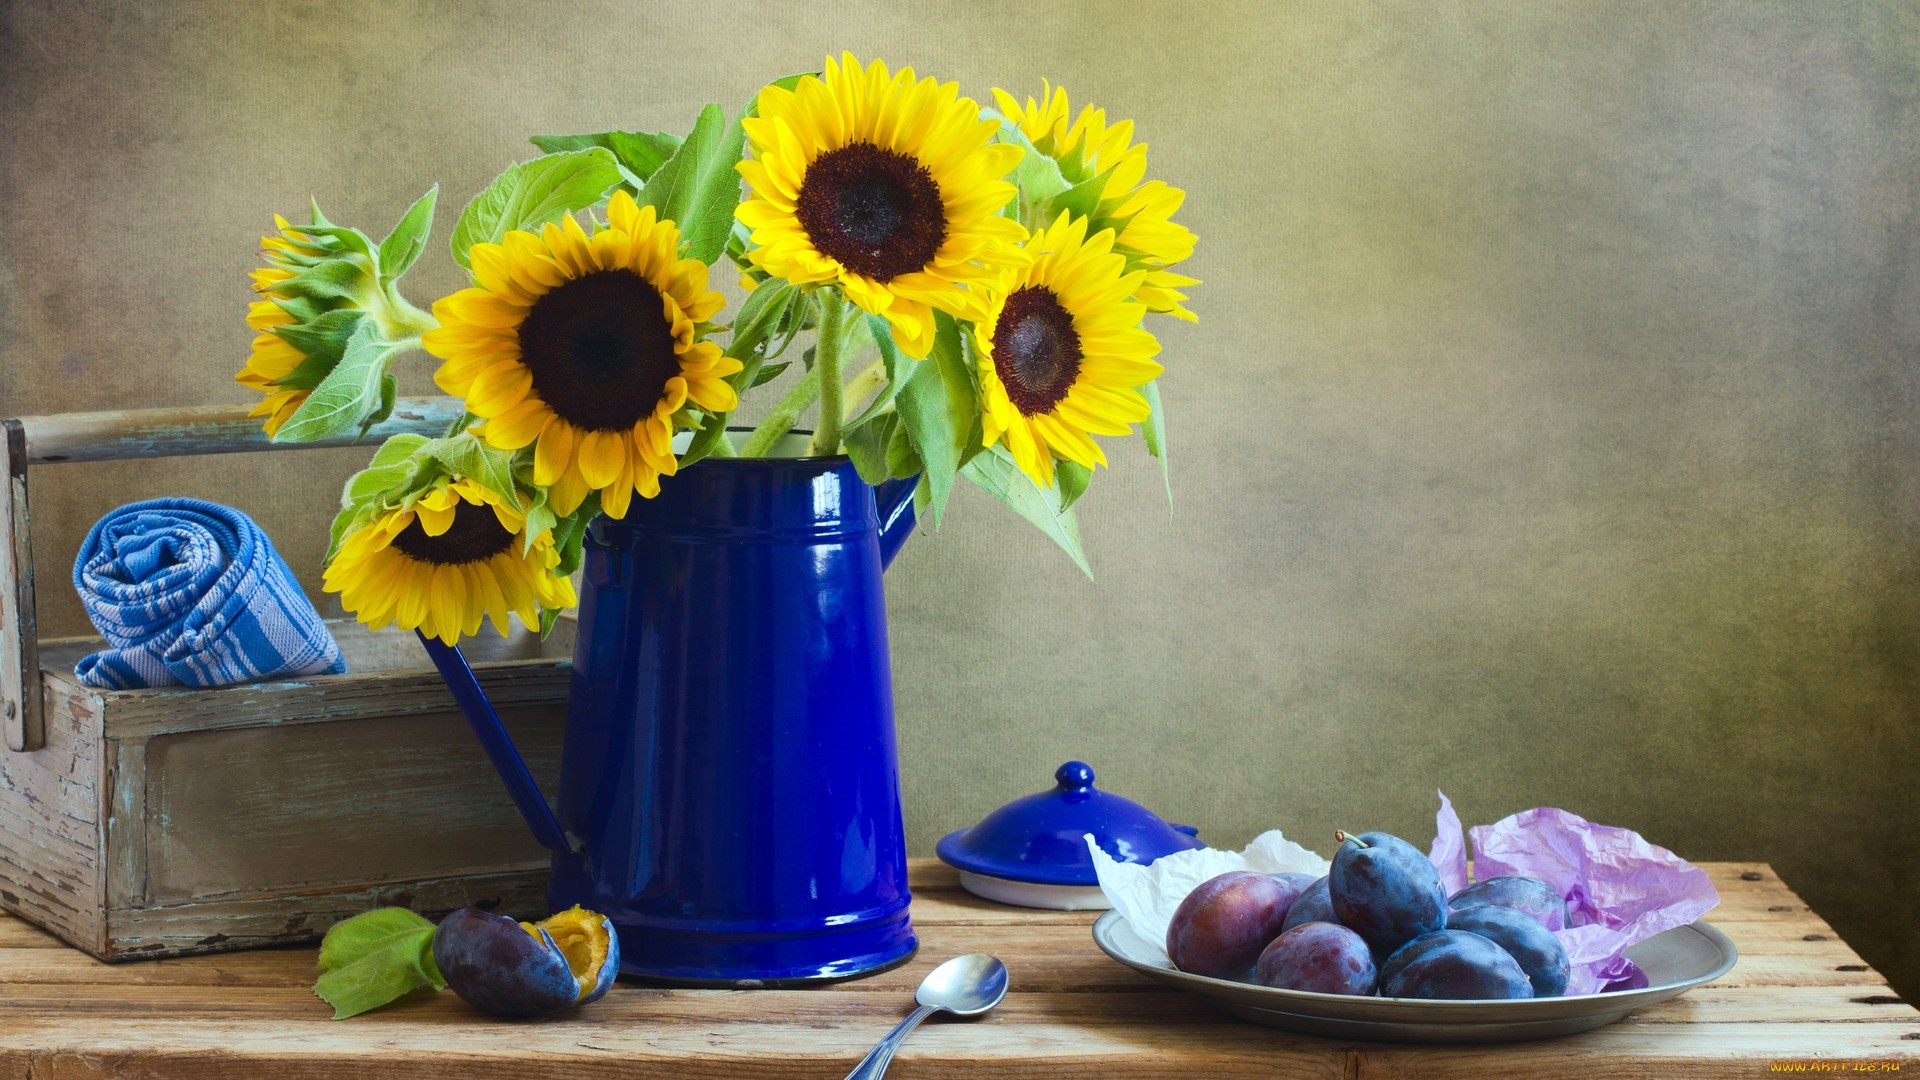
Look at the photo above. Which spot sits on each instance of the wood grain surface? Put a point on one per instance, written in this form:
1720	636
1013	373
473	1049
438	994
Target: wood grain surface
1798	995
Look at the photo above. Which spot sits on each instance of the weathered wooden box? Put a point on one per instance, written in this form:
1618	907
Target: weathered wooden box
159	822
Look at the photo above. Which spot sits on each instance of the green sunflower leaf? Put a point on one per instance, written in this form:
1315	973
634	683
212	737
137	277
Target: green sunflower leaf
324	341
867	446
533	193
375	958
570	535
408	239
389	397
540	518
638	153
993	471
768	373
1071	478
331	279
697	188
1154	431
1037	174
1082	199
899	367
467	455
344	240
902	461
760	314
940	407
348	395
344	522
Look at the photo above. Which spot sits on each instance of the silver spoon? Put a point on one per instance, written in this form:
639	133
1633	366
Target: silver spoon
969	985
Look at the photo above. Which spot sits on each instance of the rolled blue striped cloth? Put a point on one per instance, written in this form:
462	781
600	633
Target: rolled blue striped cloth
192	593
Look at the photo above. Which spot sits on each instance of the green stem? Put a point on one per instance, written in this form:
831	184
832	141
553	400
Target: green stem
862	385
398	319
826	362
784	414
722	447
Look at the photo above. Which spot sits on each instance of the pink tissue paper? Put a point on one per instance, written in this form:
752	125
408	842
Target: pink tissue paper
1620	890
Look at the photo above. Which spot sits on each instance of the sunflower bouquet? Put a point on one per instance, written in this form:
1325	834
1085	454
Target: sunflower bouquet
966	290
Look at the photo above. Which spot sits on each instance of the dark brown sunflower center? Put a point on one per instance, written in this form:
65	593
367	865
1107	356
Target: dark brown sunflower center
877	212
475	535
600	349
1036	350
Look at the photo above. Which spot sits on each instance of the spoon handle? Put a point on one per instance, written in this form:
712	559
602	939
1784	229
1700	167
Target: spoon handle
874	1065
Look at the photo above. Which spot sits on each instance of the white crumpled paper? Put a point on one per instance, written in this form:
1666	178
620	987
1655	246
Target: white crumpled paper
1146	896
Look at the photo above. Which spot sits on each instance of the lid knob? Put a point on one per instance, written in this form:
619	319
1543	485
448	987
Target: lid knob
1074	774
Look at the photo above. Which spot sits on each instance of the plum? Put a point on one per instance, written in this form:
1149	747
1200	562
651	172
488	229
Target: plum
1386	890
1539	953
1313	906
1454	964
522	969
1323	957
1537	898
1222	925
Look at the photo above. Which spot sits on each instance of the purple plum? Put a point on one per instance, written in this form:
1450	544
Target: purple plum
1534	897
1539	953
1384	889
1454	964
1222	925
1314	905
512	968
1319	956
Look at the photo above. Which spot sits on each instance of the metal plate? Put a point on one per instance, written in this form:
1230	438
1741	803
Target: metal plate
1675	962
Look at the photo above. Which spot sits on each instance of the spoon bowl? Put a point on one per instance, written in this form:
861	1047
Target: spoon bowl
965	986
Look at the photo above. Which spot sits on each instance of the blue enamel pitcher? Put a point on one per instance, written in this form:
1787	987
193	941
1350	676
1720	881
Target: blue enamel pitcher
729	795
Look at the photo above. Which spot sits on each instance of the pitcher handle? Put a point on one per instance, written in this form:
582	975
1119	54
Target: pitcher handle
458	675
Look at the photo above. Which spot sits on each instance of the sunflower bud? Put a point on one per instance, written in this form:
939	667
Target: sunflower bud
325	291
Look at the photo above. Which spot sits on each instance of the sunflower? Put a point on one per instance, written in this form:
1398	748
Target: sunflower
273	357
1061	351
586	347
457	554
887	186
1140	214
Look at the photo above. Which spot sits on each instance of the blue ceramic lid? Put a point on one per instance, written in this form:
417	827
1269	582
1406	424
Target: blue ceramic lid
1038	838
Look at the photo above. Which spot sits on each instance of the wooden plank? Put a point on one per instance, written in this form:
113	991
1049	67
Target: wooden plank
1070	1010
201	429
22	711
253	922
49	823
242	805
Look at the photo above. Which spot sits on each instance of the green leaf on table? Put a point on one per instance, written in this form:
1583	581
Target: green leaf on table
533	193
389	397
697	187
374	958
638	153
466	454
1154	431
408	239
768	373
941	410
993	471
349	394
569	536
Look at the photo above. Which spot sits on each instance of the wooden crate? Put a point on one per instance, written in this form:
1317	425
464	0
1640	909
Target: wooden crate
162	822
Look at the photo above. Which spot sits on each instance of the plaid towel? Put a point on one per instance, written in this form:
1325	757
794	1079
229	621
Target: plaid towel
192	593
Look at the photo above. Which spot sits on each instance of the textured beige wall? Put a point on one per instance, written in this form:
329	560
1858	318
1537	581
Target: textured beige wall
1549	435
